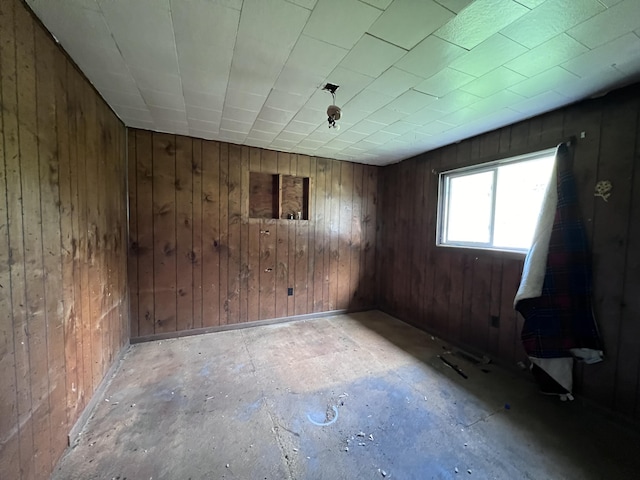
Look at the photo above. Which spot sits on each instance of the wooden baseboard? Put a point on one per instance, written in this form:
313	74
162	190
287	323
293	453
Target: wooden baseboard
76	431
237	326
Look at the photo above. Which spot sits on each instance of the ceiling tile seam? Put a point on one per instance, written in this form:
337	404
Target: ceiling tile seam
124	61
175	48
390	43
279	73
297	5
374	6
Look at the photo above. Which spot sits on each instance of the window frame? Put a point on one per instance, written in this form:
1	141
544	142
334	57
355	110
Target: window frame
444	180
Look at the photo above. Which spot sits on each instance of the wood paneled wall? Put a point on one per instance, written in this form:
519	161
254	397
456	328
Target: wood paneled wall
453	292
63	288
197	260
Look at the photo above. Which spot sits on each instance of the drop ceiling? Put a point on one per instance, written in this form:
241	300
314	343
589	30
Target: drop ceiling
414	75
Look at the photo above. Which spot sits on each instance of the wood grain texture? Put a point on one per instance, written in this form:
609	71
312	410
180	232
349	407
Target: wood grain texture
62	230
455	292
246	265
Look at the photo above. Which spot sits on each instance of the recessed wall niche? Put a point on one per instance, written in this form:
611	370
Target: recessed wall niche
278	196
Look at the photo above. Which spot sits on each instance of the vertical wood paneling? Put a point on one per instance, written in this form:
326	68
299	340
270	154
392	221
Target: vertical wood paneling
62	268
483	284
196	257
234	243
184	233
210	232
245	265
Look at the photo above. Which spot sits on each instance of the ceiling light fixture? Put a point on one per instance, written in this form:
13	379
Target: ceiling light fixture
333	112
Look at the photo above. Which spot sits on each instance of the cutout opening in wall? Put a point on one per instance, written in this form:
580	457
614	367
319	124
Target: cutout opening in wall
273	196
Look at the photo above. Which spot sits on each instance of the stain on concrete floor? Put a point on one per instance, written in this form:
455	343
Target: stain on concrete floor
252	404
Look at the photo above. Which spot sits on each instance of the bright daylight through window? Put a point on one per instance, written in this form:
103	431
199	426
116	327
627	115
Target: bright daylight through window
495	205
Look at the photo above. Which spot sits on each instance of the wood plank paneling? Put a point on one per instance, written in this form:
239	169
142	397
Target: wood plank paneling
62	225
246	265
482	284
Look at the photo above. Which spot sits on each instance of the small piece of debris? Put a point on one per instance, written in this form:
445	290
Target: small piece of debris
371	437
227	465
384	474
465	444
469	471
295	449
455	469
343	395
361	434
106	399
346	449
348	441
362	444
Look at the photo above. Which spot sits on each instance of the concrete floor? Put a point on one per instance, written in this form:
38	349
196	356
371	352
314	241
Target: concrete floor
251	404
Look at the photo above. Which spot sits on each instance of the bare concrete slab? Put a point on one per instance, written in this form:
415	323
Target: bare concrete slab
360	396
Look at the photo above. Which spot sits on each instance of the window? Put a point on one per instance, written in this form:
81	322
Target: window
495	205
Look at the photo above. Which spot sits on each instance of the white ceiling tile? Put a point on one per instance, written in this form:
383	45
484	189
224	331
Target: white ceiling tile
541	103
341	22
372	56
162	99
234	126
298	82
351	83
492	53
394	82
497	101
309	4
291	136
367	127
425	115
262	136
407	22
550	19
429	57
608	25
399	127
232	137
133	113
204	100
245	100
285	100
351	136
315	56
386	115
435	128
311	144
492	82
456	5
203	126
545	81
479	21
275	115
301	127
116	97
622	52
338	144
238	114
443	82
453	101
168	114
411	101
381	4
157	80
461	116
368	101
205	35
551	53
194	132
265	126
312	115
282	144
205	81
531	3
594	84
381	137
105	80
144	32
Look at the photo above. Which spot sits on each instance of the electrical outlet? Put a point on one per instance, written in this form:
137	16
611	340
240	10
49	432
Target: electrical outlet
495	321
289	291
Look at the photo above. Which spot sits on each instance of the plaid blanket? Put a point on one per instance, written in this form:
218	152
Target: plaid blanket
561	318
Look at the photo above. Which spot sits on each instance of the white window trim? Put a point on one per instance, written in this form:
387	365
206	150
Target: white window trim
442	214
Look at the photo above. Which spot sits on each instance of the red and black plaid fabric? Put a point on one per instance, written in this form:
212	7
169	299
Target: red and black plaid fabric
562	317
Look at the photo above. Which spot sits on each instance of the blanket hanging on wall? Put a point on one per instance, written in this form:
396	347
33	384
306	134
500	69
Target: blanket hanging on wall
555	291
